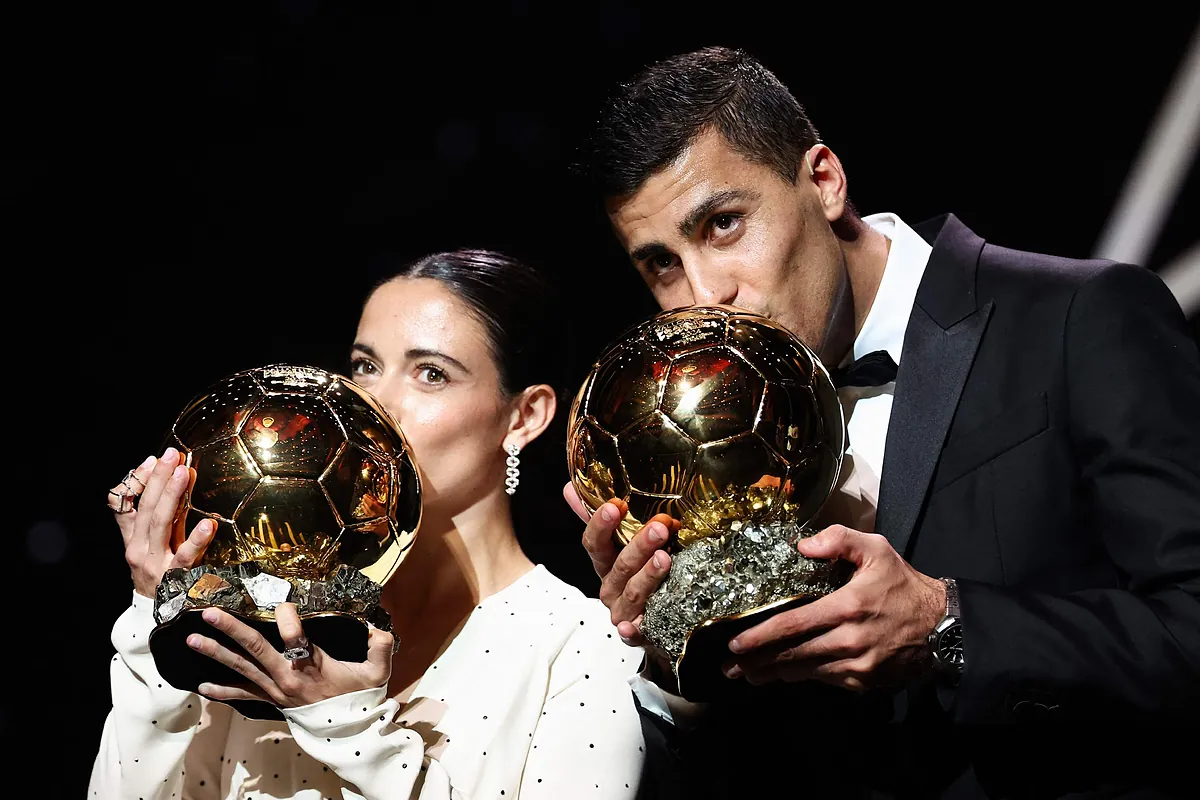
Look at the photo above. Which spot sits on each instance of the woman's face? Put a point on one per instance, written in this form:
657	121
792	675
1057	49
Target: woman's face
423	354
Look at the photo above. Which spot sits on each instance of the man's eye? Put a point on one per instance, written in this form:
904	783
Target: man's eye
725	224
662	263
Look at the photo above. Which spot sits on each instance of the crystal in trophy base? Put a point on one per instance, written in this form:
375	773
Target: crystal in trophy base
335	614
721	586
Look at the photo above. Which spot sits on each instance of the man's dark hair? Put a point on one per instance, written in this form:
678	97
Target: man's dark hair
652	118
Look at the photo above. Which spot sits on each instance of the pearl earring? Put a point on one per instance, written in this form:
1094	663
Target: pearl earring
512	472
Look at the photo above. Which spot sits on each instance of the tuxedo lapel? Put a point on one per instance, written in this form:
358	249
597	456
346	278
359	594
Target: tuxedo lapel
940	343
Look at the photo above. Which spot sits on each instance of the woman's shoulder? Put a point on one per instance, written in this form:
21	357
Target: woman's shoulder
553	593
544	602
592	643
540	578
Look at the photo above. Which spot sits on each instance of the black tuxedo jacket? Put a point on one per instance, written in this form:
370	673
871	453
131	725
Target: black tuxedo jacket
1044	450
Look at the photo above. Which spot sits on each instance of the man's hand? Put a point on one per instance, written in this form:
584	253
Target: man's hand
629	574
871	632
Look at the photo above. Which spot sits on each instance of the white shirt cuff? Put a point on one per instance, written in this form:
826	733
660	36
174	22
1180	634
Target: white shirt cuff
666	705
342	715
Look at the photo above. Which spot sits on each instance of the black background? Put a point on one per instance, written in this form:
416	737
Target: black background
199	188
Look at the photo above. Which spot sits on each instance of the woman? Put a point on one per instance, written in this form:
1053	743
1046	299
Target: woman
507	682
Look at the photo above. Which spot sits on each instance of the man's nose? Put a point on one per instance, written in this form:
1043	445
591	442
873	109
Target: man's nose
711	286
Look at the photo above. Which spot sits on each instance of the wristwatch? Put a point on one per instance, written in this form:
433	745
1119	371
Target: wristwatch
946	641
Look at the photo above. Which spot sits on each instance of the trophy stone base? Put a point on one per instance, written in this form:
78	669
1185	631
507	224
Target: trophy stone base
720	586
335	613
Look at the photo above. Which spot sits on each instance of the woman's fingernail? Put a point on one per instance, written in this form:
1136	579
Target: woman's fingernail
210	615
179	473
608	513
205	527
660	560
205	688
194	642
735	645
733	672
148	463
658	533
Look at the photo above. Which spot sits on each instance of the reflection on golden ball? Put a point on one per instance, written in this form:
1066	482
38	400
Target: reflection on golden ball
302	471
713	415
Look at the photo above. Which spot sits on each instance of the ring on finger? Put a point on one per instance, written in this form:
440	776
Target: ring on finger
295	654
122	499
299	652
131	476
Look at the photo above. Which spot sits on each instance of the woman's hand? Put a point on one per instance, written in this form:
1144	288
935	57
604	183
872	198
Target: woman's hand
145	504
283	683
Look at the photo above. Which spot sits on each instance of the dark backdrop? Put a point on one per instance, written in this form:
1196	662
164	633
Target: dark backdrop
199	188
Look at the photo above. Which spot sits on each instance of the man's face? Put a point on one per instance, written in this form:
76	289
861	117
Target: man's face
714	227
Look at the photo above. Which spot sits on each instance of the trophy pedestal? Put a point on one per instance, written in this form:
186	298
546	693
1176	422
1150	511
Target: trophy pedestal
334	612
698	669
341	636
719	587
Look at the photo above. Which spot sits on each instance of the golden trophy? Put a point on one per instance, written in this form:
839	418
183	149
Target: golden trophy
316	500
726	422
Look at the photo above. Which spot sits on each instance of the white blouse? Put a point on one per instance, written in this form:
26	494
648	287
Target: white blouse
531	700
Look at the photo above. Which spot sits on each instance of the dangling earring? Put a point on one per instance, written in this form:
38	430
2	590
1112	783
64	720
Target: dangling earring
512	472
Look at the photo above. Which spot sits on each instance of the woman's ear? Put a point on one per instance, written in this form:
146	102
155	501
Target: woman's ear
533	411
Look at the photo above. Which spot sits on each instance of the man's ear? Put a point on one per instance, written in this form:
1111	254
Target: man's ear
824	171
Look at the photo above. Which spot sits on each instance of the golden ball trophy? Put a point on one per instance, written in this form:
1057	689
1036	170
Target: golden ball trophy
726	422
316	500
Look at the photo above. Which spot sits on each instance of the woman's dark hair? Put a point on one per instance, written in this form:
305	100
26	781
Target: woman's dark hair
515	304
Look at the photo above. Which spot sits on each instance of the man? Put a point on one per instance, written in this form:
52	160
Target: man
1021	501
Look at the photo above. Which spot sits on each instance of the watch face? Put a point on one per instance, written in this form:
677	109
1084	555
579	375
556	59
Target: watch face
950	646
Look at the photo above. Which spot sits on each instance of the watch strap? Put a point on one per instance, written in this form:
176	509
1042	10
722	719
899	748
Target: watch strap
942	662
952	607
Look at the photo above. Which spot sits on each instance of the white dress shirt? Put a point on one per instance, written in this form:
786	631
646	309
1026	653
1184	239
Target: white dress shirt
868	409
530	700
867	412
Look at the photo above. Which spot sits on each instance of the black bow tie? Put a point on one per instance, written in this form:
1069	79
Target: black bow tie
873	369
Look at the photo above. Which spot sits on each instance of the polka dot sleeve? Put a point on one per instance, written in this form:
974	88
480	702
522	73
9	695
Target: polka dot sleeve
356	736
151	726
588	741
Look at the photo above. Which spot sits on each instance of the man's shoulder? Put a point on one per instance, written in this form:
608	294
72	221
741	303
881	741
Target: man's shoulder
1046	270
1000	268
1077	287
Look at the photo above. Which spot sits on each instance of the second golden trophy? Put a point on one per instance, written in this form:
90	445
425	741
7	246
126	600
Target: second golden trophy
727	423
